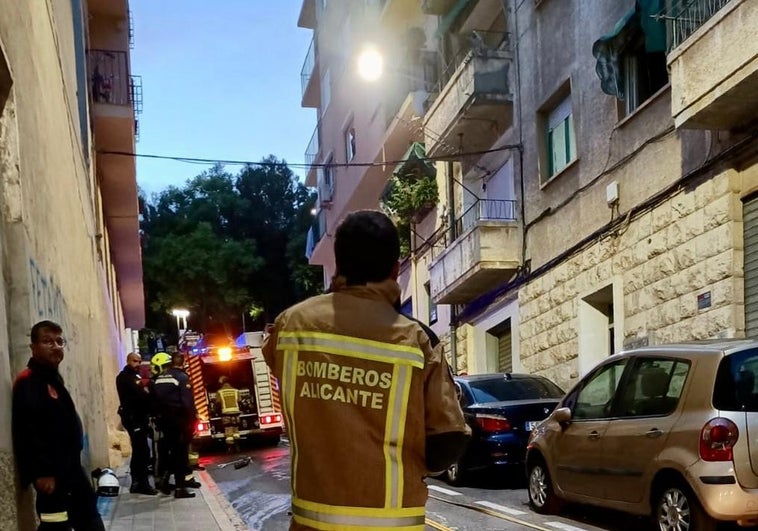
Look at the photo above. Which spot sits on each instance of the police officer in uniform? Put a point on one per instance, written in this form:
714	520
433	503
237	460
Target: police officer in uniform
134	411
47	438
176	412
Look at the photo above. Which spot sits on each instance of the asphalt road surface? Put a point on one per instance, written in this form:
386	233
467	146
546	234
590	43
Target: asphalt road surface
259	493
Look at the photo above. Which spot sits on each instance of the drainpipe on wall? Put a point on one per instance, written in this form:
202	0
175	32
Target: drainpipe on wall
451	238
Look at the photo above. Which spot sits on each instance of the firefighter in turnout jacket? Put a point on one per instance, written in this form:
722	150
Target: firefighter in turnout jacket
357	375
229	404
47	438
176	414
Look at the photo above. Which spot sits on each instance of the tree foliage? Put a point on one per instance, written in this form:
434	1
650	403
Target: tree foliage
228	244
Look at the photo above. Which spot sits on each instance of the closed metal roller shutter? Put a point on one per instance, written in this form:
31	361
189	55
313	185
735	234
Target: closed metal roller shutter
504	352
750	224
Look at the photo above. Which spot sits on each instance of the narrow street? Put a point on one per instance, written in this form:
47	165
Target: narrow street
259	492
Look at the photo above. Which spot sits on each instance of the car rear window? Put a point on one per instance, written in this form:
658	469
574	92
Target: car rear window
502	390
736	388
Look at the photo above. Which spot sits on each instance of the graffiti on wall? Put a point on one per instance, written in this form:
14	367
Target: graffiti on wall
46	297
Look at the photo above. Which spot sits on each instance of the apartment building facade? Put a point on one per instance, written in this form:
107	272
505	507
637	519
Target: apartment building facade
596	169
69	224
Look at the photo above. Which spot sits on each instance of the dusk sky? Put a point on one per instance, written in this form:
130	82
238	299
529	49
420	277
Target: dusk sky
221	80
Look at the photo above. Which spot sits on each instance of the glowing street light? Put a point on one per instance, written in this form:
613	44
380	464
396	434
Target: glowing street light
181	317
370	64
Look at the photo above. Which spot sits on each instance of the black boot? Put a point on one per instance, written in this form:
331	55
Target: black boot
142	487
163	485
183	493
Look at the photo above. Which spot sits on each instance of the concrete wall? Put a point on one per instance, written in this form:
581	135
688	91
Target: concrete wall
50	265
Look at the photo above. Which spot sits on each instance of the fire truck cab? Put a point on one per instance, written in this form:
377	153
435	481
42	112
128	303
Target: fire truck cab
212	360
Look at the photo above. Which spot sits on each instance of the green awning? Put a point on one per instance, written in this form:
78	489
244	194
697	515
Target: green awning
448	19
609	48
415	164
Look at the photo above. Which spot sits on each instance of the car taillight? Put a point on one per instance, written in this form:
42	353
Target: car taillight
717	438
493	423
201	426
270	419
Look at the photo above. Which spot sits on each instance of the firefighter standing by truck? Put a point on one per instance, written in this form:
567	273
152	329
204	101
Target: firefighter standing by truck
229	401
176	414
359	376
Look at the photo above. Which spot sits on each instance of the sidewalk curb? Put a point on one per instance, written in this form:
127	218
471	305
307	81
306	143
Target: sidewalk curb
224	514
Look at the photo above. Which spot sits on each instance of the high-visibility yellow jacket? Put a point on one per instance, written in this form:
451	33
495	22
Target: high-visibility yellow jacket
363	390
229	397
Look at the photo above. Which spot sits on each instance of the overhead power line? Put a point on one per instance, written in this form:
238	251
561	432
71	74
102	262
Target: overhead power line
230	162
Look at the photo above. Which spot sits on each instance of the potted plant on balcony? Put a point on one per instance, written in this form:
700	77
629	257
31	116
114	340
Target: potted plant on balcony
408	199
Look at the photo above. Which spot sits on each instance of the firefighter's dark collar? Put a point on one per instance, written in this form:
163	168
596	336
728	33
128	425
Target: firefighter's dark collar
386	290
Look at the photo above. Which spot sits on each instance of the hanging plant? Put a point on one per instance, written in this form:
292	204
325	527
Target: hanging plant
411	192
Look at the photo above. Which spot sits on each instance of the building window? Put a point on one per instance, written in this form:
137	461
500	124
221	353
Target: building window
431	305
561	140
349	143
643	73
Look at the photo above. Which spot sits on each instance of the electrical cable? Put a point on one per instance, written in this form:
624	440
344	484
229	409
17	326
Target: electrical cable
264	163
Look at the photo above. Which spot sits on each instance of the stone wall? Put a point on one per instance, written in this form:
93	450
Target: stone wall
665	258
461	335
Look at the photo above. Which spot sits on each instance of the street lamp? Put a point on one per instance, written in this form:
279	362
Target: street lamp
370	63
181	318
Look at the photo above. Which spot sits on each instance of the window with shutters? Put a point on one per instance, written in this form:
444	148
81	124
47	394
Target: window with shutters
501	339
556	138
750	228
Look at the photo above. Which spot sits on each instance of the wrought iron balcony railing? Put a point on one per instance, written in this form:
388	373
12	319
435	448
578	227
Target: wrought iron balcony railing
478	44
309	64
684	17
311	152
481	210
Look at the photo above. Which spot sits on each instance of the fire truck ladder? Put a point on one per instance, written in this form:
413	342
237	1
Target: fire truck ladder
265	394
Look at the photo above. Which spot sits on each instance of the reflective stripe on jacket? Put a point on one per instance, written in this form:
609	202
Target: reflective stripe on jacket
362	389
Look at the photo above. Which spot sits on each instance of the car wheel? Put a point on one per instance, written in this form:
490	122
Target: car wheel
542	497
678	508
454	474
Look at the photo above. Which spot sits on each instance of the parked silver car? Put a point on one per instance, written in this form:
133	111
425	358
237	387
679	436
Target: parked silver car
670	431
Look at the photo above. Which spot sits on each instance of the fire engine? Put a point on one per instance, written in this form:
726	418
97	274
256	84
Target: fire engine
209	358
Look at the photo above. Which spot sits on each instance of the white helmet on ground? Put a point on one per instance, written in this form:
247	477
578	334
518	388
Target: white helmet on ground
107	483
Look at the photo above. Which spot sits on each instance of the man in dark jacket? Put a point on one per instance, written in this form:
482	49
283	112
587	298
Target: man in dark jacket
135	409
175	407
47	438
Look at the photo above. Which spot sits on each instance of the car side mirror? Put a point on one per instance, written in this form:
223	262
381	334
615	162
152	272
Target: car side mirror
562	415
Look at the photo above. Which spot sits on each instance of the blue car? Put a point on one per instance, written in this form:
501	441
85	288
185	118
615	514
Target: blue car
501	409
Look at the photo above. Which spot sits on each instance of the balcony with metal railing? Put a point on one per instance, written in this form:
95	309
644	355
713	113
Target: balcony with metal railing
473	100
309	78
484	252
311	156
713	61
116	99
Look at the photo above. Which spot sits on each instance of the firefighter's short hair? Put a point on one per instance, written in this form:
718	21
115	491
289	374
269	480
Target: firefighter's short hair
366	247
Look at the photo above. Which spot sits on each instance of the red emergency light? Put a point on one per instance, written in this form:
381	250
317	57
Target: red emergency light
201	426
270	419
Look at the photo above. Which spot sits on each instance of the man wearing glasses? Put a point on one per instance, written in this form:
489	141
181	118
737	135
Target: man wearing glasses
47	438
